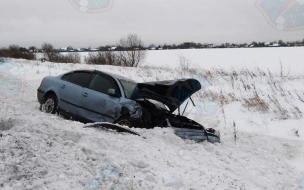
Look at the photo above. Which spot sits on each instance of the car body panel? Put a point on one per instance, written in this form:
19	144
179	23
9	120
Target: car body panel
70	96
48	84
97	106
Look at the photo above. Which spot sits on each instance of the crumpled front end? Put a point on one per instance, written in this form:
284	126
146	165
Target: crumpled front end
134	109
154	115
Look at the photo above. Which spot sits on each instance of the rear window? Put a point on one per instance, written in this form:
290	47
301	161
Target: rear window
81	78
66	77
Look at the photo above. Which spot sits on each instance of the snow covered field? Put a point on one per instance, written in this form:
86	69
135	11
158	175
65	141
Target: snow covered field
226	58
42	151
235	57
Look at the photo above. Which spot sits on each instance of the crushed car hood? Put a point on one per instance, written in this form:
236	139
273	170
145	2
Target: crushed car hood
172	93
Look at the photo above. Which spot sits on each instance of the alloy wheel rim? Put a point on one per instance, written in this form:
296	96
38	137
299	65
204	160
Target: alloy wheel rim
124	123
49	105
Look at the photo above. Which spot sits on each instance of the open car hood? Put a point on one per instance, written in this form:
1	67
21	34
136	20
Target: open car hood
172	93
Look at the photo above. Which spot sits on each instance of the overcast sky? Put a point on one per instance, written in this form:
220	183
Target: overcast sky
33	22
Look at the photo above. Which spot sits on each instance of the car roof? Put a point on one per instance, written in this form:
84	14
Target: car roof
116	76
102	72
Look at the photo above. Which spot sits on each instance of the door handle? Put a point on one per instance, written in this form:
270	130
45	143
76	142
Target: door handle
63	86
85	94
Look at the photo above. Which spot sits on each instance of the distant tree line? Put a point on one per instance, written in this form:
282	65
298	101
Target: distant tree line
128	51
14	51
193	45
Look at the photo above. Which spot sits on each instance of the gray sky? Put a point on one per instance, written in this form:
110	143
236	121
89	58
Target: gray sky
33	22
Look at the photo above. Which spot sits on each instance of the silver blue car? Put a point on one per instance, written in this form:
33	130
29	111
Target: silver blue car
93	96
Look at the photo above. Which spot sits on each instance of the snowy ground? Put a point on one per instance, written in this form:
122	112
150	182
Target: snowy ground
42	151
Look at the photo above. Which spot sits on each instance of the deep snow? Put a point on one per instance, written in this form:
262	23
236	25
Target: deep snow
42	151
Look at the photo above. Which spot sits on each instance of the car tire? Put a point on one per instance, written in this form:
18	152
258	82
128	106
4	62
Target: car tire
124	121
146	118
50	104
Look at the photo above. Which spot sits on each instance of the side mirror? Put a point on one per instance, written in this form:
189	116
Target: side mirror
112	92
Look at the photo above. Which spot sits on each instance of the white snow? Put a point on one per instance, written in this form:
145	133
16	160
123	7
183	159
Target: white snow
42	151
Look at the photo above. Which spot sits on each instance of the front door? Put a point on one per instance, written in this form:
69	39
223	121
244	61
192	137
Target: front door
71	92
96	104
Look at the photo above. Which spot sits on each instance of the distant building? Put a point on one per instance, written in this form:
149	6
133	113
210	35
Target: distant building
234	46
274	45
210	46
112	48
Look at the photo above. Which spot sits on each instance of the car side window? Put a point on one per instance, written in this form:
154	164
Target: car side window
102	84
81	78
66	77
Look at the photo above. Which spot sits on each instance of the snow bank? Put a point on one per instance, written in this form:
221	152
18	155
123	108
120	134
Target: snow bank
42	151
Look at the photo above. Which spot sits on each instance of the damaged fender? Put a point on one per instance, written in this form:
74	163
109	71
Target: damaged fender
132	108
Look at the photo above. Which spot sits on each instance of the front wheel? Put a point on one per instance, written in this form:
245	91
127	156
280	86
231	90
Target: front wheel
124	121
50	104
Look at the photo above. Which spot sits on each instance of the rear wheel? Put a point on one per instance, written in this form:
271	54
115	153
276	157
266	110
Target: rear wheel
50	104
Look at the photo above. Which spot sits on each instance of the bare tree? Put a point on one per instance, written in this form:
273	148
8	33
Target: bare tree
184	63
111	58
103	58
53	56
32	48
70	58
152	46
132	53
49	52
70	48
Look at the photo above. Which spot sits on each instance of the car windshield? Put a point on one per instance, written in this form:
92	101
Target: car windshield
128	87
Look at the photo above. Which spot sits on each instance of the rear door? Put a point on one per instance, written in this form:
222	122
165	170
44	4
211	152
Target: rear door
97	105
72	91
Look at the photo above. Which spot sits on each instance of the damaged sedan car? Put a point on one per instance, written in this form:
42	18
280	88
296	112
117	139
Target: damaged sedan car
95	96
